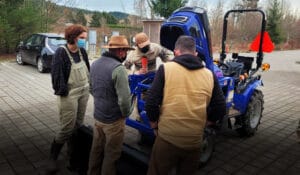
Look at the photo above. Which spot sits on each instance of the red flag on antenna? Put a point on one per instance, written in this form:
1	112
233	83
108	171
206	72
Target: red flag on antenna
267	46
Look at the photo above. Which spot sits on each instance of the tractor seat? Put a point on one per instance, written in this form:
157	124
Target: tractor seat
246	60
234	69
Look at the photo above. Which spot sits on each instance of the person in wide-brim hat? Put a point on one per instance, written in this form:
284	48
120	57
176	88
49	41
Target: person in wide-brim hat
118	42
112	104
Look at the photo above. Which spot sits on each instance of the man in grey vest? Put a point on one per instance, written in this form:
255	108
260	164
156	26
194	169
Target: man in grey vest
112	103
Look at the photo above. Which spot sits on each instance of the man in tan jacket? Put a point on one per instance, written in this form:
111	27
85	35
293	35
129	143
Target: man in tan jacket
146	49
183	97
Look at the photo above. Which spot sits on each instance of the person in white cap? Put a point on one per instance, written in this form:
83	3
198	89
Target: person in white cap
146	49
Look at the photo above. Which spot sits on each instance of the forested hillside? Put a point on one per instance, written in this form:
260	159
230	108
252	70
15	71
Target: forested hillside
20	18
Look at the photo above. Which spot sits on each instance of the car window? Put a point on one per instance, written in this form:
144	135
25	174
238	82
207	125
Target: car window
56	41
38	40
29	41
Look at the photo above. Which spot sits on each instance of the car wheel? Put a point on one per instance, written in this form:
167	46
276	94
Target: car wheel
251	119
40	66
19	59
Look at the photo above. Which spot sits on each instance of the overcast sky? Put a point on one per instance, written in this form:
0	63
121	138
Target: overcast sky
127	6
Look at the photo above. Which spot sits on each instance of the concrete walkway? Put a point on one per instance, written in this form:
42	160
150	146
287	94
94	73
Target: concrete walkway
29	119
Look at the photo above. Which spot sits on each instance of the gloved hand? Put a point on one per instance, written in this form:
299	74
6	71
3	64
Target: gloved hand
154	126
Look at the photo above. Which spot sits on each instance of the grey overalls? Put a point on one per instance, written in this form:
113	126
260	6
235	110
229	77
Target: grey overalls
72	107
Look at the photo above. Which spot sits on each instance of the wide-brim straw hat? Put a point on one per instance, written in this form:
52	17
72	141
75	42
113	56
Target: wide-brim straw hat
117	42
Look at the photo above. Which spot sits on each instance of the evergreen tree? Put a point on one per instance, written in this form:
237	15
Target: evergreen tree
18	19
95	22
50	12
80	18
77	17
165	8
109	18
274	17
98	17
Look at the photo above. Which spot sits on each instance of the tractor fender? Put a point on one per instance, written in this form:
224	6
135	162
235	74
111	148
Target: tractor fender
241	100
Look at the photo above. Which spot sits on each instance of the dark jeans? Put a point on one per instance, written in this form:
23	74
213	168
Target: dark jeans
166	156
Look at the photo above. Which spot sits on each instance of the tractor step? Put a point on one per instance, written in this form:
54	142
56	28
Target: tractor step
135	154
233	113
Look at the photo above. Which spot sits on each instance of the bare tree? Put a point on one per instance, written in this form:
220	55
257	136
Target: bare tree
140	8
290	26
144	8
52	12
150	5
216	18
199	3
245	4
242	28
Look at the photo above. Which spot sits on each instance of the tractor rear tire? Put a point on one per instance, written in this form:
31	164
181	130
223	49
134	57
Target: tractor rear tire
208	146
251	119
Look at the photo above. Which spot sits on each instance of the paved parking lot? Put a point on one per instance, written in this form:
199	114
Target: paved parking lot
29	119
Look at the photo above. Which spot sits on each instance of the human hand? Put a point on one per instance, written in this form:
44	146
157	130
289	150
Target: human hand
154	126
143	70
210	123
155	132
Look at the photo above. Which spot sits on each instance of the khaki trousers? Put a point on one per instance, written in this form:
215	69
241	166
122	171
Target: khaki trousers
106	148
166	156
71	112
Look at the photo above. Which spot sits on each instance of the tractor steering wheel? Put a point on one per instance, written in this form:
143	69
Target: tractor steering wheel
223	66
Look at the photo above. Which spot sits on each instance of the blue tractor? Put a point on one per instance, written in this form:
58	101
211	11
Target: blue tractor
244	99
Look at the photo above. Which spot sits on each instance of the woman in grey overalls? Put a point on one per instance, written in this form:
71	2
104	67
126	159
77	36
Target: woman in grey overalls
70	81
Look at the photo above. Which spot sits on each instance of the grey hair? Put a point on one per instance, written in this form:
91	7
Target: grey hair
186	44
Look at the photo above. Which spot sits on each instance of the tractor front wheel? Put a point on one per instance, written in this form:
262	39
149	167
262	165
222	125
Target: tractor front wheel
251	119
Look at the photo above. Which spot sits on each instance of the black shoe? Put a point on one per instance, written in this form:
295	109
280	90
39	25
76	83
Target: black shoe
55	150
52	165
52	168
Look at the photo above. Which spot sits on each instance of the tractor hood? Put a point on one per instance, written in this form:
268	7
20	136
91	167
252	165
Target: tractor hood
192	21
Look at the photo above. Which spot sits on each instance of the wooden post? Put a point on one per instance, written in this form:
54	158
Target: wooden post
152	29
